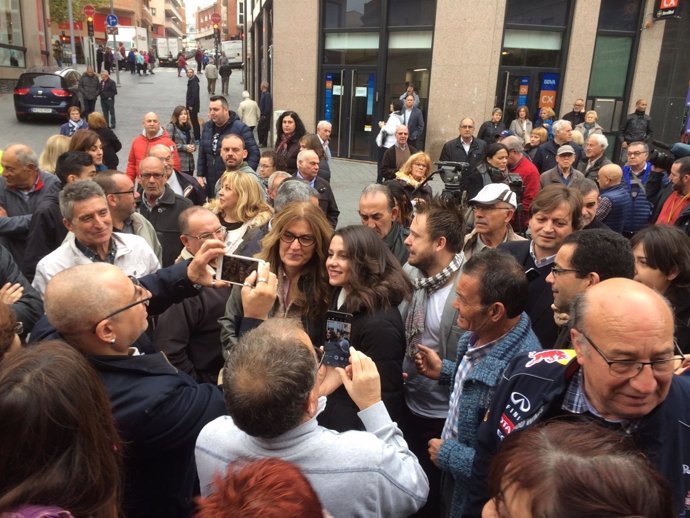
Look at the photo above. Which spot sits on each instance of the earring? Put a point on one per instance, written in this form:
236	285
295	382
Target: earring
112	341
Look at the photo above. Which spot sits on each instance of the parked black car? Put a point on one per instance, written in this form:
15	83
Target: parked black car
46	91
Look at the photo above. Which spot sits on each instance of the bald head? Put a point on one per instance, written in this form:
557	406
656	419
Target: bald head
20	166
620	305
610	175
152	124
75	298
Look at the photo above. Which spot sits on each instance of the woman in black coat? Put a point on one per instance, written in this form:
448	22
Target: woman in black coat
490	129
370	283
289	129
111	144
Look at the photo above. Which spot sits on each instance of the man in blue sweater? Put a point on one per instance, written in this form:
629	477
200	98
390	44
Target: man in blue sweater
491	295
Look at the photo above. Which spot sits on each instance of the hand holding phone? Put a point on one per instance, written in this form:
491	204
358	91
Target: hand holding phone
338	336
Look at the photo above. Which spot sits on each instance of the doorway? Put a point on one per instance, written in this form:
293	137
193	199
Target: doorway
349	103
528	87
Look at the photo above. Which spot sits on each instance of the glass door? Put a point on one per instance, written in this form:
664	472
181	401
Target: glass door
349	104
523	86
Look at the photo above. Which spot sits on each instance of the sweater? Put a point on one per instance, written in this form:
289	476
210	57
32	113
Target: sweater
457	456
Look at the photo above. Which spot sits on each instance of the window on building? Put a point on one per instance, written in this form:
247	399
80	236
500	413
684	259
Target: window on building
409	61
350	14
11	34
537	12
531	48
408	13
610	66
240	12
342	48
153	11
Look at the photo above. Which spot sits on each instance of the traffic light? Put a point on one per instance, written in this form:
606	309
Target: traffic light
89	26
216	33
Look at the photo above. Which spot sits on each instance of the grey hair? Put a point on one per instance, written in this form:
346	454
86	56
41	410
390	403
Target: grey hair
373	188
560	124
588	185
513	143
277	174
321	124
270	405
78	191
25	155
600	139
300	155
640	143
293	191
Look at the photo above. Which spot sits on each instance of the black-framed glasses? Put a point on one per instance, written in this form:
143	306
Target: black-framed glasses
631	368
139	289
304	240
148	176
131	191
556	271
220	233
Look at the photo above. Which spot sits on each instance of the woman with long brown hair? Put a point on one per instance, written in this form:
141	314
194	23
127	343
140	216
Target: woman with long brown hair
60	450
296	248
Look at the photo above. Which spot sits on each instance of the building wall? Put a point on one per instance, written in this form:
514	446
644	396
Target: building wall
464	67
579	58
647	62
465	60
295	64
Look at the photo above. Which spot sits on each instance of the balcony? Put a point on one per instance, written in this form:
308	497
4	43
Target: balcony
171	10
146	18
172	30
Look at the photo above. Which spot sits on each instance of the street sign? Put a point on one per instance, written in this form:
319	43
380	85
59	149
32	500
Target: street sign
111	20
89	10
111	30
215	18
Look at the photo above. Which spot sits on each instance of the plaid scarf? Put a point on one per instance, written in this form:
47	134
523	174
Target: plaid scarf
423	287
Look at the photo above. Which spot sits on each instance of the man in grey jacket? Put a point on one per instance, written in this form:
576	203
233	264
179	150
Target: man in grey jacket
355	474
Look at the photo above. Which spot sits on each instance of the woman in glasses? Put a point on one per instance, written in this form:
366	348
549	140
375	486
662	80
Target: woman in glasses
296	248
413	173
662	262
243	211
370	283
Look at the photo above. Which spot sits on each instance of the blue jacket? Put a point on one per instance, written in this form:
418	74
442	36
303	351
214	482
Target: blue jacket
540	381
457	456
209	163
621	207
641	210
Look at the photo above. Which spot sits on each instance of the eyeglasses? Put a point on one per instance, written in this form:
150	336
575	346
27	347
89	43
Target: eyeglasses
635	153
131	191
139	290
556	271
467	127
220	233
147	176
304	240
631	368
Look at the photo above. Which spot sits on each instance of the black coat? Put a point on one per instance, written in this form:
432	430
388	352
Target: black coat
190	185
381	336
540	296
111	145
29	308
488	131
192	101
164	218
453	151
388	165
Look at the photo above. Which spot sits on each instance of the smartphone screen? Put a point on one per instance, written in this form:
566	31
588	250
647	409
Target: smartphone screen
338	339
236	268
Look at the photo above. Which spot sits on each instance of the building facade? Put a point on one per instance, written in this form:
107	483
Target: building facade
347	60
231	26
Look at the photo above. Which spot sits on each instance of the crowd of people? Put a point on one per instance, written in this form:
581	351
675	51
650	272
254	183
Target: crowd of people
519	351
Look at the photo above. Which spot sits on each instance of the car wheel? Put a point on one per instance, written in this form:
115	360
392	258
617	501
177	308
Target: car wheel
21	117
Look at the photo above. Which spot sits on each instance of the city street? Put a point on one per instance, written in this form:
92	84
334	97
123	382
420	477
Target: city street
160	93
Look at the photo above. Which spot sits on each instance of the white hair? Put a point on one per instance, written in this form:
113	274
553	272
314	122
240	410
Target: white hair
559	125
600	139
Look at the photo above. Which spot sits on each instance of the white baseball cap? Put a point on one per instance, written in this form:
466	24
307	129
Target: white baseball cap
494	193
